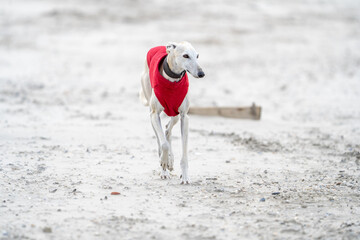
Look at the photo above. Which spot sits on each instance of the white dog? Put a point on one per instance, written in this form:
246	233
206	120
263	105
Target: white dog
164	88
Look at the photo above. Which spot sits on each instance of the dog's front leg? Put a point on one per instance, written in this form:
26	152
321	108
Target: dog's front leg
184	159
163	144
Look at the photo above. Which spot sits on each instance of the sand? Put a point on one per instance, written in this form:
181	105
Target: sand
72	129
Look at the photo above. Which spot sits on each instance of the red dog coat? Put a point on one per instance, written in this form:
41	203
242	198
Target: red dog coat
169	94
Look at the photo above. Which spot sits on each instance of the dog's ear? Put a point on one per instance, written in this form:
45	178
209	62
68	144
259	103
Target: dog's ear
170	46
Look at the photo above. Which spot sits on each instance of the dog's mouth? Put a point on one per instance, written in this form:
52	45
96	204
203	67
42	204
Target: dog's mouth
192	74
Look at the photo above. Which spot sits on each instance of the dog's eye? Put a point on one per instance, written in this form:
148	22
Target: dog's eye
197	56
186	56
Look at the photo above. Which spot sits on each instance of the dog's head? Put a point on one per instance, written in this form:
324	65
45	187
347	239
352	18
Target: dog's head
185	58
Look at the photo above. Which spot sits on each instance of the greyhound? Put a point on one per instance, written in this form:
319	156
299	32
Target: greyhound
178	59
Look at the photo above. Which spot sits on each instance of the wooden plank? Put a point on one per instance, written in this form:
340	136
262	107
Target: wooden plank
253	112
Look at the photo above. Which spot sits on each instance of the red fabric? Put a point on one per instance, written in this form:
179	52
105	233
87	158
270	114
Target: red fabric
169	94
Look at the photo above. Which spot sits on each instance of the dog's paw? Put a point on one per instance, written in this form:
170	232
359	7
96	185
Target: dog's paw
164	174
184	179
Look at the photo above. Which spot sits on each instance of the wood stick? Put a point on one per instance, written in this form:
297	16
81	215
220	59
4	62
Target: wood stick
253	112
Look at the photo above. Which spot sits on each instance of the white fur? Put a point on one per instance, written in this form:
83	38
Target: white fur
177	63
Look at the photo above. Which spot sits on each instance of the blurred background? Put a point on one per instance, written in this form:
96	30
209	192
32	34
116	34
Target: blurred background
72	128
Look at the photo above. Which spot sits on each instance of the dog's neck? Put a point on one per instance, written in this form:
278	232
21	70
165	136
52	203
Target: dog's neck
170	71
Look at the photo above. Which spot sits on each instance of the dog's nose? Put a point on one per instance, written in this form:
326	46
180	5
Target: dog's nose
201	74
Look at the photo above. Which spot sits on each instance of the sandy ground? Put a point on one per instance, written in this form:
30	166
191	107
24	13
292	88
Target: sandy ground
72	129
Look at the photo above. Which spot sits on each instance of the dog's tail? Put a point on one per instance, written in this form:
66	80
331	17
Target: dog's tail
143	98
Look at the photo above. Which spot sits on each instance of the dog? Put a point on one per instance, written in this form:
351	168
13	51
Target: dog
164	88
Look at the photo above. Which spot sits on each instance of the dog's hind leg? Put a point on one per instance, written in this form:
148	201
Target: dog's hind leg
145	90
168	131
